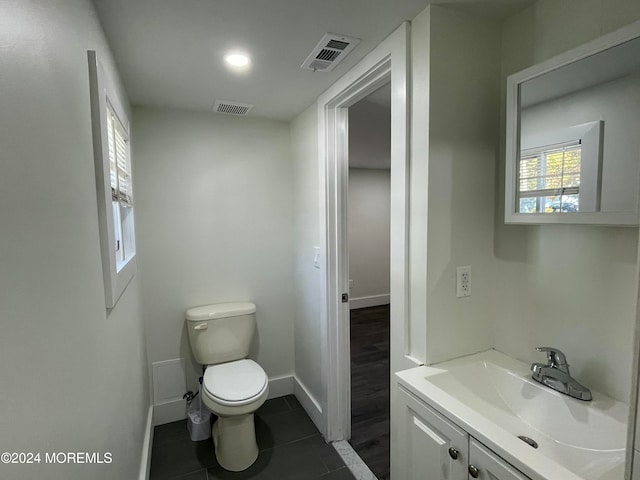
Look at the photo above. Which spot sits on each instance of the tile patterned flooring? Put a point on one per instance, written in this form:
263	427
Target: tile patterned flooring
370	380
291	448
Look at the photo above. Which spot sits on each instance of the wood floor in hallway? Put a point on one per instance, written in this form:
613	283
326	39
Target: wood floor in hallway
370	387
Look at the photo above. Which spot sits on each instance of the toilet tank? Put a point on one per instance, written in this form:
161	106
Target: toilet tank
221	332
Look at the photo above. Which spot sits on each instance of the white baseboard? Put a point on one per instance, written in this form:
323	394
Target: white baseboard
280	386
309	403
173	411
371	301
145	460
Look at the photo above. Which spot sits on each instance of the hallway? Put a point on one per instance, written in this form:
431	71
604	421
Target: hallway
370	387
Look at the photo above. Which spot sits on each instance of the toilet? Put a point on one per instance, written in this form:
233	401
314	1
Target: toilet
234	387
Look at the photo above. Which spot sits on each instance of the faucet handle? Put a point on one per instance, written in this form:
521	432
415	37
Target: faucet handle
554	356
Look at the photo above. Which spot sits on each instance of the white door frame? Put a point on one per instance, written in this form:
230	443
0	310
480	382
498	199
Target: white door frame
387	62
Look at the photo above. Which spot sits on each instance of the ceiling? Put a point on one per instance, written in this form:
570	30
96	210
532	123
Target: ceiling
170	53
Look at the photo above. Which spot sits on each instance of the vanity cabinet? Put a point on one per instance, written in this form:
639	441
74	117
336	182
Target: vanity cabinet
431	447
490	466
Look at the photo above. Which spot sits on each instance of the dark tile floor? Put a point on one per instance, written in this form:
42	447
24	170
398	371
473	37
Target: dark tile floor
291	448
370	380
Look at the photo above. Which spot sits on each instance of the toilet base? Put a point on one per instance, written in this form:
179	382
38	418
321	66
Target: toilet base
235	443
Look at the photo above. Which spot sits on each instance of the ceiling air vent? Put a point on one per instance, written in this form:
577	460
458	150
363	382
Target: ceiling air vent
329	52
232	108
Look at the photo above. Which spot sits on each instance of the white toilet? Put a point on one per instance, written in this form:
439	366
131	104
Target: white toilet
233	387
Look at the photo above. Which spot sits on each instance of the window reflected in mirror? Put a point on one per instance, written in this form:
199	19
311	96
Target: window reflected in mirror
559	170
549	180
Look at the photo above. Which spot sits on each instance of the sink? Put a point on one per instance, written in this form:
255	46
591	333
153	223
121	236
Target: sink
494	395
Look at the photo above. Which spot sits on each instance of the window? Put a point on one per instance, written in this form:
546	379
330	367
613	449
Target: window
549	179
121	189
559	171
114	185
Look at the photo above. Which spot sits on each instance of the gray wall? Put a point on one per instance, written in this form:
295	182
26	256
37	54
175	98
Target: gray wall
568	286
370	199
214	197
369	234
573	287
370	133
74	379
306	222
457	57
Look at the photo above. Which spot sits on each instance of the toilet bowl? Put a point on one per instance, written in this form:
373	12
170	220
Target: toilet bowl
234	386
234	391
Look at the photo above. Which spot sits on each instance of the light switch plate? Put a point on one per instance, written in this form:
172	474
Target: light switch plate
316	257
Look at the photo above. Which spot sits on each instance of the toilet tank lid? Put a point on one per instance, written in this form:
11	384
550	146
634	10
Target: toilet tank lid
220	310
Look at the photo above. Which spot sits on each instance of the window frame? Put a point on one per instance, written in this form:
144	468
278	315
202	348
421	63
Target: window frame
104	97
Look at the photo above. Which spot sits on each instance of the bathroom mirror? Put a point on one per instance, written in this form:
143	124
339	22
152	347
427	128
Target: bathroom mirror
573	136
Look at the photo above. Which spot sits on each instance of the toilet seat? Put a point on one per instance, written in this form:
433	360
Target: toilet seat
235	383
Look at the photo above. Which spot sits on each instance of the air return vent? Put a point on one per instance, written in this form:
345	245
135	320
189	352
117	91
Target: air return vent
232	108
329	52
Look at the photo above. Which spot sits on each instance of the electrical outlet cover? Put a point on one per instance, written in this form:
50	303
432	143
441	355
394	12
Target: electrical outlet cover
463	281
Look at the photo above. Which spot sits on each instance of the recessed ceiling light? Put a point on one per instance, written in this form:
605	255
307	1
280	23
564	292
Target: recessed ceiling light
237	59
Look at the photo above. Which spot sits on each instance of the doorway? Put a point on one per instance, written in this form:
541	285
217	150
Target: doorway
368	226
387	63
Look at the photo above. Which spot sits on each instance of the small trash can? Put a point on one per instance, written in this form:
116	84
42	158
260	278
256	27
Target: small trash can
199	419
199	425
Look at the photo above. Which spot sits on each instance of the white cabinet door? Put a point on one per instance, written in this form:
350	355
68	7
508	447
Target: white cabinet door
486	465
427	446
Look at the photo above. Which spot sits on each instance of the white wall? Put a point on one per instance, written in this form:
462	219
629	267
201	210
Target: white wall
369	233
572	287
306	221
214	200
457	57
617	103
74	379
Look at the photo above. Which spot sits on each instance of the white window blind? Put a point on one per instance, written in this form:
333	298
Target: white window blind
121	189
119	160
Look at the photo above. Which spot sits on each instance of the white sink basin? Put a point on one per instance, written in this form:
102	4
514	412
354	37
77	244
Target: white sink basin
493	396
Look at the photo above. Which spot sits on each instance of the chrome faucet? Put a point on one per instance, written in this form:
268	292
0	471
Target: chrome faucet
555	374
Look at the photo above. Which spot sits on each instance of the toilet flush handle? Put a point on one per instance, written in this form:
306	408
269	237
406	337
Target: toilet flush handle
200	326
